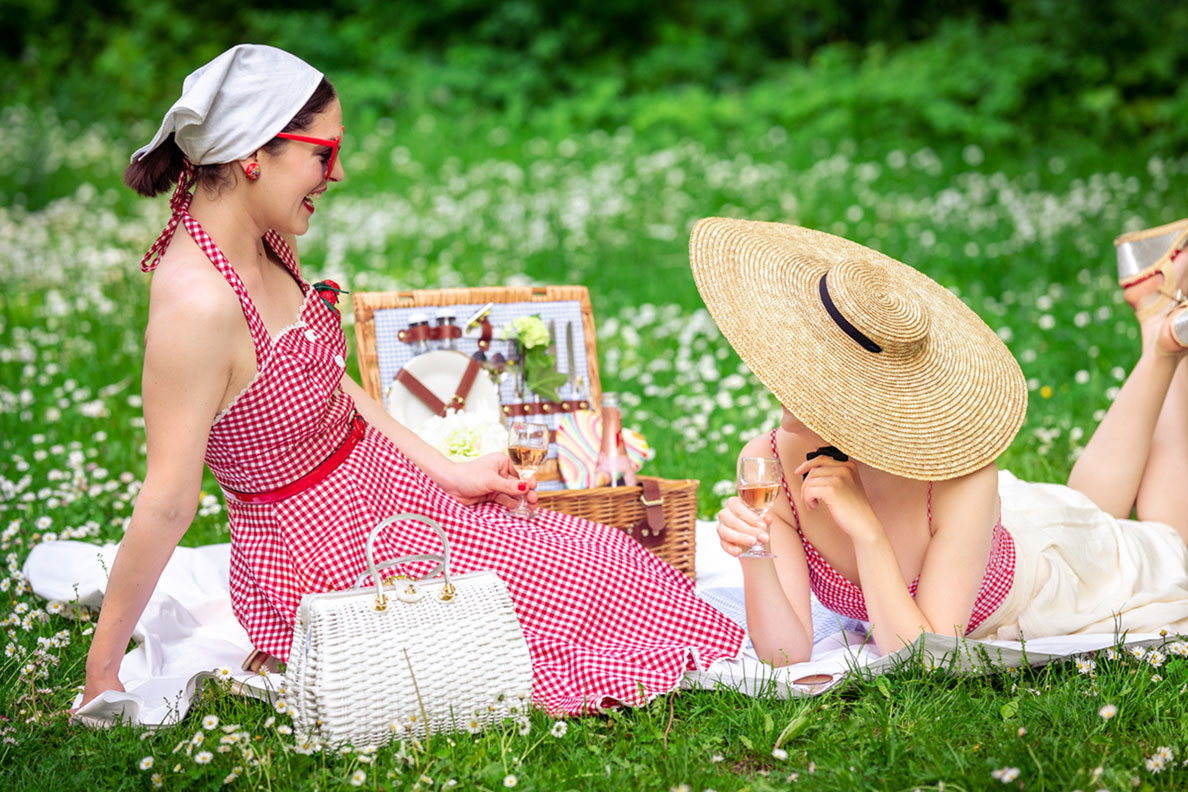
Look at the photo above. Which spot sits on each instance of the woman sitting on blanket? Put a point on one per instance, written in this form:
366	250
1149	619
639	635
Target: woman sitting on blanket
245	370
902	519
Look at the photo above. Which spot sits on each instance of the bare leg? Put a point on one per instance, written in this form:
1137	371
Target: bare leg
1111	469
1134	439
1162	495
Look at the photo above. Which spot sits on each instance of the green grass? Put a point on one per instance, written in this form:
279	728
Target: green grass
432	200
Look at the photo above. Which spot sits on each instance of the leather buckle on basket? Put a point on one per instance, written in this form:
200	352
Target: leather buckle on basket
658	502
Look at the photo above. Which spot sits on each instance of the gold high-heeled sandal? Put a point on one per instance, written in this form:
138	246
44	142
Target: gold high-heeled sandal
1144	254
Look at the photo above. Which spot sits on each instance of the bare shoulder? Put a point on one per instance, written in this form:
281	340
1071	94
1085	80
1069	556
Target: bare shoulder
968	499
189	295
980	483
757	446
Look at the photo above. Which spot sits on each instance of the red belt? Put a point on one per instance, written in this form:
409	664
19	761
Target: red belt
313	477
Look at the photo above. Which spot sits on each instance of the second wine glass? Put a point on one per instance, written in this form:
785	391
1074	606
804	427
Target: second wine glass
527	445
758	483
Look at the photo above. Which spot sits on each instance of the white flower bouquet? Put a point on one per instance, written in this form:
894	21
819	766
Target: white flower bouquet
463	436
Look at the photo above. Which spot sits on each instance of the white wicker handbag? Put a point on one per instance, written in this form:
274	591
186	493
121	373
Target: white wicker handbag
409	658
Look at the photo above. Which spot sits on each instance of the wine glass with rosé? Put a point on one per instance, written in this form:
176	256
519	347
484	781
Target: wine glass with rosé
527	445
758	483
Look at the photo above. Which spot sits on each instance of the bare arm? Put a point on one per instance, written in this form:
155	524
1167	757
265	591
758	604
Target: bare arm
185	377
963	516
779	617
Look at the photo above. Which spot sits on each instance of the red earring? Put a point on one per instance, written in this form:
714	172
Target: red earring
252	171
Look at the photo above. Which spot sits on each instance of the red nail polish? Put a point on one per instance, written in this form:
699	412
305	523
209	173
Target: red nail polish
523	486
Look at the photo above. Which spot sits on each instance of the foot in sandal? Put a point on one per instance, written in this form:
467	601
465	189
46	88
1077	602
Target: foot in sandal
1153	268
1173	337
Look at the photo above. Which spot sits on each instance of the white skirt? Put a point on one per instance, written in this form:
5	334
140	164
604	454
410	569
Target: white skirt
1079	570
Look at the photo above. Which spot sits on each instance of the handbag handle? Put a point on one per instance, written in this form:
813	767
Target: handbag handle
381	600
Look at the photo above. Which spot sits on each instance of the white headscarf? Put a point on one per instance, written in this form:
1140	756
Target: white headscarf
235	104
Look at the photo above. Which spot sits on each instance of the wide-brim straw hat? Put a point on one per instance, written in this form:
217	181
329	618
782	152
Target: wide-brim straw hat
875	357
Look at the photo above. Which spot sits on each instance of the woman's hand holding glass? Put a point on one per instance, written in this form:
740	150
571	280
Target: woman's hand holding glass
743	524
527	446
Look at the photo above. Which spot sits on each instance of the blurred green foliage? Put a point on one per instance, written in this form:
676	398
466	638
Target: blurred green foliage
999	71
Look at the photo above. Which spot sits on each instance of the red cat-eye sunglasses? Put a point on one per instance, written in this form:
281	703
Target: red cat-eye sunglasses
333	143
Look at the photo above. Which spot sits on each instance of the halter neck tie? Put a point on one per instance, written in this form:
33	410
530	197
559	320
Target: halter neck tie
179	202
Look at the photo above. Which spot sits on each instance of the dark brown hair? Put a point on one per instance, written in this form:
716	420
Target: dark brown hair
159	169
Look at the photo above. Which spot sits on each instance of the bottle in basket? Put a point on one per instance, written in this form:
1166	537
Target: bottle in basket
613	468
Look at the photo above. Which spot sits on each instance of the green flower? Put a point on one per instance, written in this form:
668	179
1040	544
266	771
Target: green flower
531	331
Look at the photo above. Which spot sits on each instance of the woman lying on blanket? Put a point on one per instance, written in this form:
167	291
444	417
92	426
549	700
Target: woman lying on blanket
245	370
897	400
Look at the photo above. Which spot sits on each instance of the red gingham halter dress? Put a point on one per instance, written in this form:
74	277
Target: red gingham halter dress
603	617
840	595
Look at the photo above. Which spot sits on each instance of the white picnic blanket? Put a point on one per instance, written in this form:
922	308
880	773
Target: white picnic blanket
188	633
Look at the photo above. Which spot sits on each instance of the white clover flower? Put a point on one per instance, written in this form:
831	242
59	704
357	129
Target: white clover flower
1006	774
146	763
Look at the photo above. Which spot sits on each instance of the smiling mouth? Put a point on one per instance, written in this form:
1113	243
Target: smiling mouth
308	201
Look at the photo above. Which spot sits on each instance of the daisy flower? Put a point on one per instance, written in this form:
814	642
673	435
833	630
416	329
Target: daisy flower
146	763
779	753
559	729
1006	774
358	778
203	757
1107	712
210	722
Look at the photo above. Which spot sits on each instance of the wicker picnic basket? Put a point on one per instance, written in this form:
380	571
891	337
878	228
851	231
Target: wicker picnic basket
659	513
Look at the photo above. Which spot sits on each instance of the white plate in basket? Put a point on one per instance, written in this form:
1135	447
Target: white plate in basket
440	371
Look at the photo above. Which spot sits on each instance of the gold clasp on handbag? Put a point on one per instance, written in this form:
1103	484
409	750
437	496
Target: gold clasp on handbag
410	594
381	603
447	592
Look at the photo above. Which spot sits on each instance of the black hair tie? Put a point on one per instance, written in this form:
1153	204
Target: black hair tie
830	451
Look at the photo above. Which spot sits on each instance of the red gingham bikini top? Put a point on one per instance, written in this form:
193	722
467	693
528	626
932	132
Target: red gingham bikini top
840	595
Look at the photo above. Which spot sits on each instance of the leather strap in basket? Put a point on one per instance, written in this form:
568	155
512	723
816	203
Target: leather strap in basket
649	531
545	407
427	333
457	401
418	389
